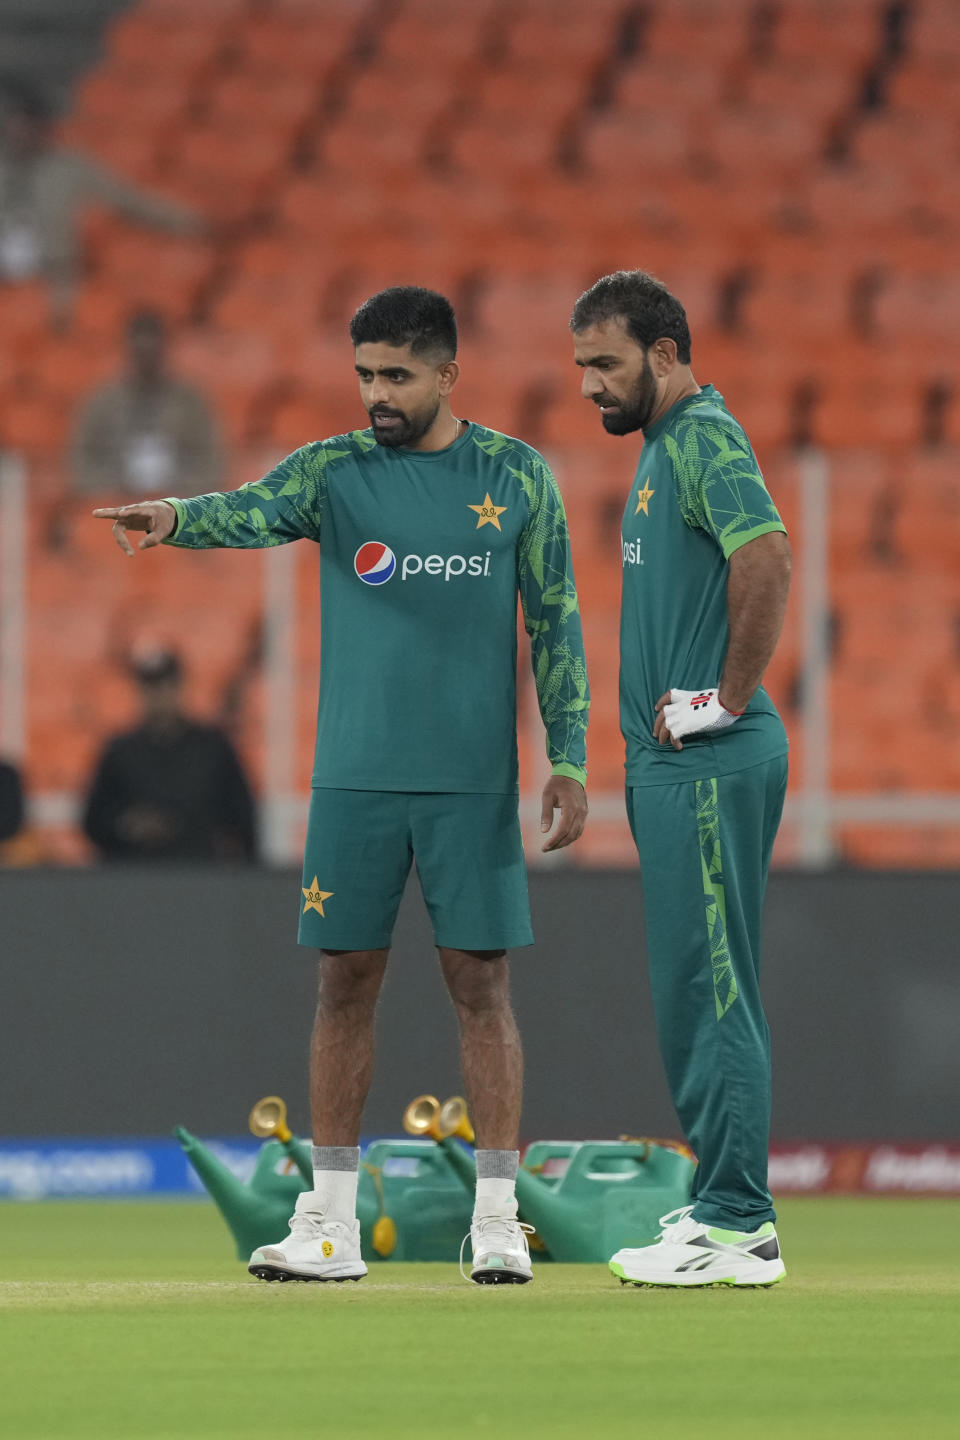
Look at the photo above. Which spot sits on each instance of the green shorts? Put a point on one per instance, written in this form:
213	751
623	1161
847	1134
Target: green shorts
469	855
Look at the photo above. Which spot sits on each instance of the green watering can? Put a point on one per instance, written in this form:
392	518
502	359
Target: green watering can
411	1203
585	1199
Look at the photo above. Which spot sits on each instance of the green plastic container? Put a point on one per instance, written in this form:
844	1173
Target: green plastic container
611	1194
423	1195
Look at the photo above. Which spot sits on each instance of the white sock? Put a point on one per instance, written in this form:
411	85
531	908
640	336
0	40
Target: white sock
495	1198
336	1172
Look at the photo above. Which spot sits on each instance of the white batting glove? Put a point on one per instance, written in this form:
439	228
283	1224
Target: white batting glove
696	712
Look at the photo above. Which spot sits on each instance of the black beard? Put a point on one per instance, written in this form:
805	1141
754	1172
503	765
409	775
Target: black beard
624	422
635	413
408	432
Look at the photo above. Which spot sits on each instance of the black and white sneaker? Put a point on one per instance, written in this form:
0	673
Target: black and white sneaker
315	1249
689	1253
501	1255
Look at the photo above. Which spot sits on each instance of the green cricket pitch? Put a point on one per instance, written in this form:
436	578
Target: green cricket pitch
127	1320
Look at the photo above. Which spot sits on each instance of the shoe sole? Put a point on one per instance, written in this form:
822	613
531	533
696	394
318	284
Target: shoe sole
274	1272
499	1277
728	1281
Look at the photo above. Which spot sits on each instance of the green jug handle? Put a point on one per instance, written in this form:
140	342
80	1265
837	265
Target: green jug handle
582	1161
544	1150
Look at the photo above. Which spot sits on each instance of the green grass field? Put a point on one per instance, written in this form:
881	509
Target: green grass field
128	1320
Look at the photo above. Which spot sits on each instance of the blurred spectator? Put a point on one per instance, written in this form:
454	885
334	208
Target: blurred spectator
43	190
170	789
146	432
11	801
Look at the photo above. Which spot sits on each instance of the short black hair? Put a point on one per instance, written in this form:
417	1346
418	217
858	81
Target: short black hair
644	303
407	315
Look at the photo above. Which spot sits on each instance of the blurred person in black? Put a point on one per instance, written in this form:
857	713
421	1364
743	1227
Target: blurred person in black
11	801
44	189
171	788
147	428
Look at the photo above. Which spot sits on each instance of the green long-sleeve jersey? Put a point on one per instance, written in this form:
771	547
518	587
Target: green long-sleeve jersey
423	556
698	496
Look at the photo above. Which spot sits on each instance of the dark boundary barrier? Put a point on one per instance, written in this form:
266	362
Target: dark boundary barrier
134	999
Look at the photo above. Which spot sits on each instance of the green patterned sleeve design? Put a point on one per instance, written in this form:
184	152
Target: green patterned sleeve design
551	615
719	483
287	504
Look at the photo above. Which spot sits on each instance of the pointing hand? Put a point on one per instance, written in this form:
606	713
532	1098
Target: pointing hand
156	517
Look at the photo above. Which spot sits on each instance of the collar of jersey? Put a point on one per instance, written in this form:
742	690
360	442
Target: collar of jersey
425	457
707	392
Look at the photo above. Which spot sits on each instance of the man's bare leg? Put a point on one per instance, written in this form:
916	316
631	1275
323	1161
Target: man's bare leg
324	1239
492	1063
341	1048
491	1056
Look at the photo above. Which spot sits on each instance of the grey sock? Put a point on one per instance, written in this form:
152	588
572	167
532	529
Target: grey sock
338	1157
498	1164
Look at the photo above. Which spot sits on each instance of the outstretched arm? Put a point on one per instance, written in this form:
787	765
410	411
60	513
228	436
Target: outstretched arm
285	505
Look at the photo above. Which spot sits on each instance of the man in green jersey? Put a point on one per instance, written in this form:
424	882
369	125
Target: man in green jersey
428	526
706	567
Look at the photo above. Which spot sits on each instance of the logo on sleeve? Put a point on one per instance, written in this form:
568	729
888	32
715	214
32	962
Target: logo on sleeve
488	512
375	563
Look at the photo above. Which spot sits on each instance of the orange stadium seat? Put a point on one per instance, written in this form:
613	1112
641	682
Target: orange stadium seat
507	137
935	31
159	36
146	267
767	139
414	91
369	139
714	30
131	152
684	87
451	37
225	174
925	306
580	36
928	83
649	143
820	93
34	423
811	302
24	313
137	96
861	413
906	142
853	27
550	94
234	367
305	44
279	101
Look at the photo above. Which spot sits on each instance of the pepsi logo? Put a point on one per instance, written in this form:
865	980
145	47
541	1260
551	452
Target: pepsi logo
375	563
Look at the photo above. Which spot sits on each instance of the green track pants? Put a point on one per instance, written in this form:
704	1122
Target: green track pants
704	849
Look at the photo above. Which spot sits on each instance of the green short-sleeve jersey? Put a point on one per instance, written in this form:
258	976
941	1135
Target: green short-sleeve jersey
423	557
698	496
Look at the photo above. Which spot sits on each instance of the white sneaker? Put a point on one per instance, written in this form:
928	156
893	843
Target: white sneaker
316	1248
689	1253
501	1255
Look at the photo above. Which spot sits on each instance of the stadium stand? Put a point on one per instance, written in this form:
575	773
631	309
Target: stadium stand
787	167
